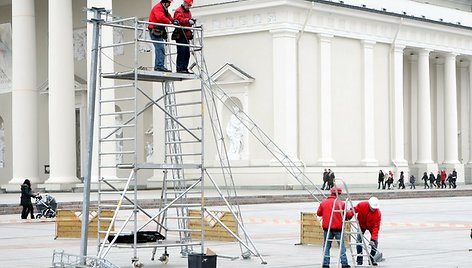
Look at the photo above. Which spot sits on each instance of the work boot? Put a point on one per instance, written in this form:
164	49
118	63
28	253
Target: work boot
346	266
161	69
325	266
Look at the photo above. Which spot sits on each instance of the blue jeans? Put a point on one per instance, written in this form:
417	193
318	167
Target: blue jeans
359	249
337	235
159	51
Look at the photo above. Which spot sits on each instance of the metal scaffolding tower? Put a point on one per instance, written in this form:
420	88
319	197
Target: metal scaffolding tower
120	139
122	167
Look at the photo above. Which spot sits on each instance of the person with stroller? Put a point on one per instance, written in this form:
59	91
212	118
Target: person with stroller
25	200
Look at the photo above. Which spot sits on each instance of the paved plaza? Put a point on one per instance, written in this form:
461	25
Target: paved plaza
426	232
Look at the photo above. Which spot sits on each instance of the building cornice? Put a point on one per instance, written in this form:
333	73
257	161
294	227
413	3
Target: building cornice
262	16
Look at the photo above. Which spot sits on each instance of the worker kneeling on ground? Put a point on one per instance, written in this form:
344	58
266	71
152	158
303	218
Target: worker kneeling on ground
332	227
369	217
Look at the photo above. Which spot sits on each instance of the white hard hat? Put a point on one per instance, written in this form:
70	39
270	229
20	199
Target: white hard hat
374	202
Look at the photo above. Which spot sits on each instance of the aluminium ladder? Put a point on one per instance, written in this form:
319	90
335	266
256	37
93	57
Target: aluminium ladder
350	230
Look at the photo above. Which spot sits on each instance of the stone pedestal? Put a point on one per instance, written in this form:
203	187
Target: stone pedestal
459	168
419	168
468	173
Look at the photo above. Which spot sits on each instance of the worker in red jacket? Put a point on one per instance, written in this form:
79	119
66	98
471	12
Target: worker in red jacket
184	17
369	217
160	14
334	226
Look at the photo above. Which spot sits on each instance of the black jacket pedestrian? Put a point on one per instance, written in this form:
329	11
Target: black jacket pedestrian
25	200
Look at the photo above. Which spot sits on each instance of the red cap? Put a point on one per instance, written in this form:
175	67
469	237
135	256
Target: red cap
337	189
190	2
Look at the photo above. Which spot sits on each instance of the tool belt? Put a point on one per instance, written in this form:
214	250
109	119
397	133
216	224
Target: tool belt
159	32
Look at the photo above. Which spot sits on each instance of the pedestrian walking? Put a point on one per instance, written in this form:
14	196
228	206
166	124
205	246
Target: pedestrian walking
369	217
331	178
425	179
454	178
431	180
443	179
381	180
401	181
332	227
438	179
412	182
325	179
389	180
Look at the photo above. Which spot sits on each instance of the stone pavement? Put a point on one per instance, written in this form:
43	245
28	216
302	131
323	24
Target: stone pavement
420	232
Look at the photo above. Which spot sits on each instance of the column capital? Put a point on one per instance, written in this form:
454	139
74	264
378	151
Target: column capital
424	52
284	32
398	47
464	63
451	54
325	37
368	43
438	60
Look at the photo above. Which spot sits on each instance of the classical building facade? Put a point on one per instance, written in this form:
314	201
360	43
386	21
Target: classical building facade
354	85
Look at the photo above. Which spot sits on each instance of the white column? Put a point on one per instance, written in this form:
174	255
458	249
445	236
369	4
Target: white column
413	107
424	109
24	94
440	129
285	90
450	102
368	104
326	158
470	111
62	142
397	106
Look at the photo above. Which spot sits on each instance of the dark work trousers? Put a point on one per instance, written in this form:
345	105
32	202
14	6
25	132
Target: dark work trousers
183	54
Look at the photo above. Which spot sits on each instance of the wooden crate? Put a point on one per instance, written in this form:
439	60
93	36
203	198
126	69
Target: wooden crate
213	230
311	231
69	223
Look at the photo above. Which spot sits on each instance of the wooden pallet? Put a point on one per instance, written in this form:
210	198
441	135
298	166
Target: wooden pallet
69	223
213	230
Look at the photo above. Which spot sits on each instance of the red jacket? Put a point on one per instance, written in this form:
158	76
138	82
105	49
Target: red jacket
324	211
183	16
159	15
369	220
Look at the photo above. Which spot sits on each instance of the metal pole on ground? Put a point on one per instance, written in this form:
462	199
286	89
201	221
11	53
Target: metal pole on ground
90	131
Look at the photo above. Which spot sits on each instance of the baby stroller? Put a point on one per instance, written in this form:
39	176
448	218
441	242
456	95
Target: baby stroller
46	206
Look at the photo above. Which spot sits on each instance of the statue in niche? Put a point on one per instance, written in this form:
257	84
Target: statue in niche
149	152
119	135
234	130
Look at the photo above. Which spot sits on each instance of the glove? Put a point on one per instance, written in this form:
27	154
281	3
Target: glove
192	21
176	22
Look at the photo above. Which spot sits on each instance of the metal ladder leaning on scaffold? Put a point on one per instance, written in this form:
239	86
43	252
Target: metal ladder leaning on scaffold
350	230
214	93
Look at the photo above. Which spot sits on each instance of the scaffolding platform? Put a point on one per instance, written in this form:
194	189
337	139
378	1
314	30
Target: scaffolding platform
150	76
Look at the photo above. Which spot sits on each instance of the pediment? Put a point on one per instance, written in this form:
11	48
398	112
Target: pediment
80	84
230	74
